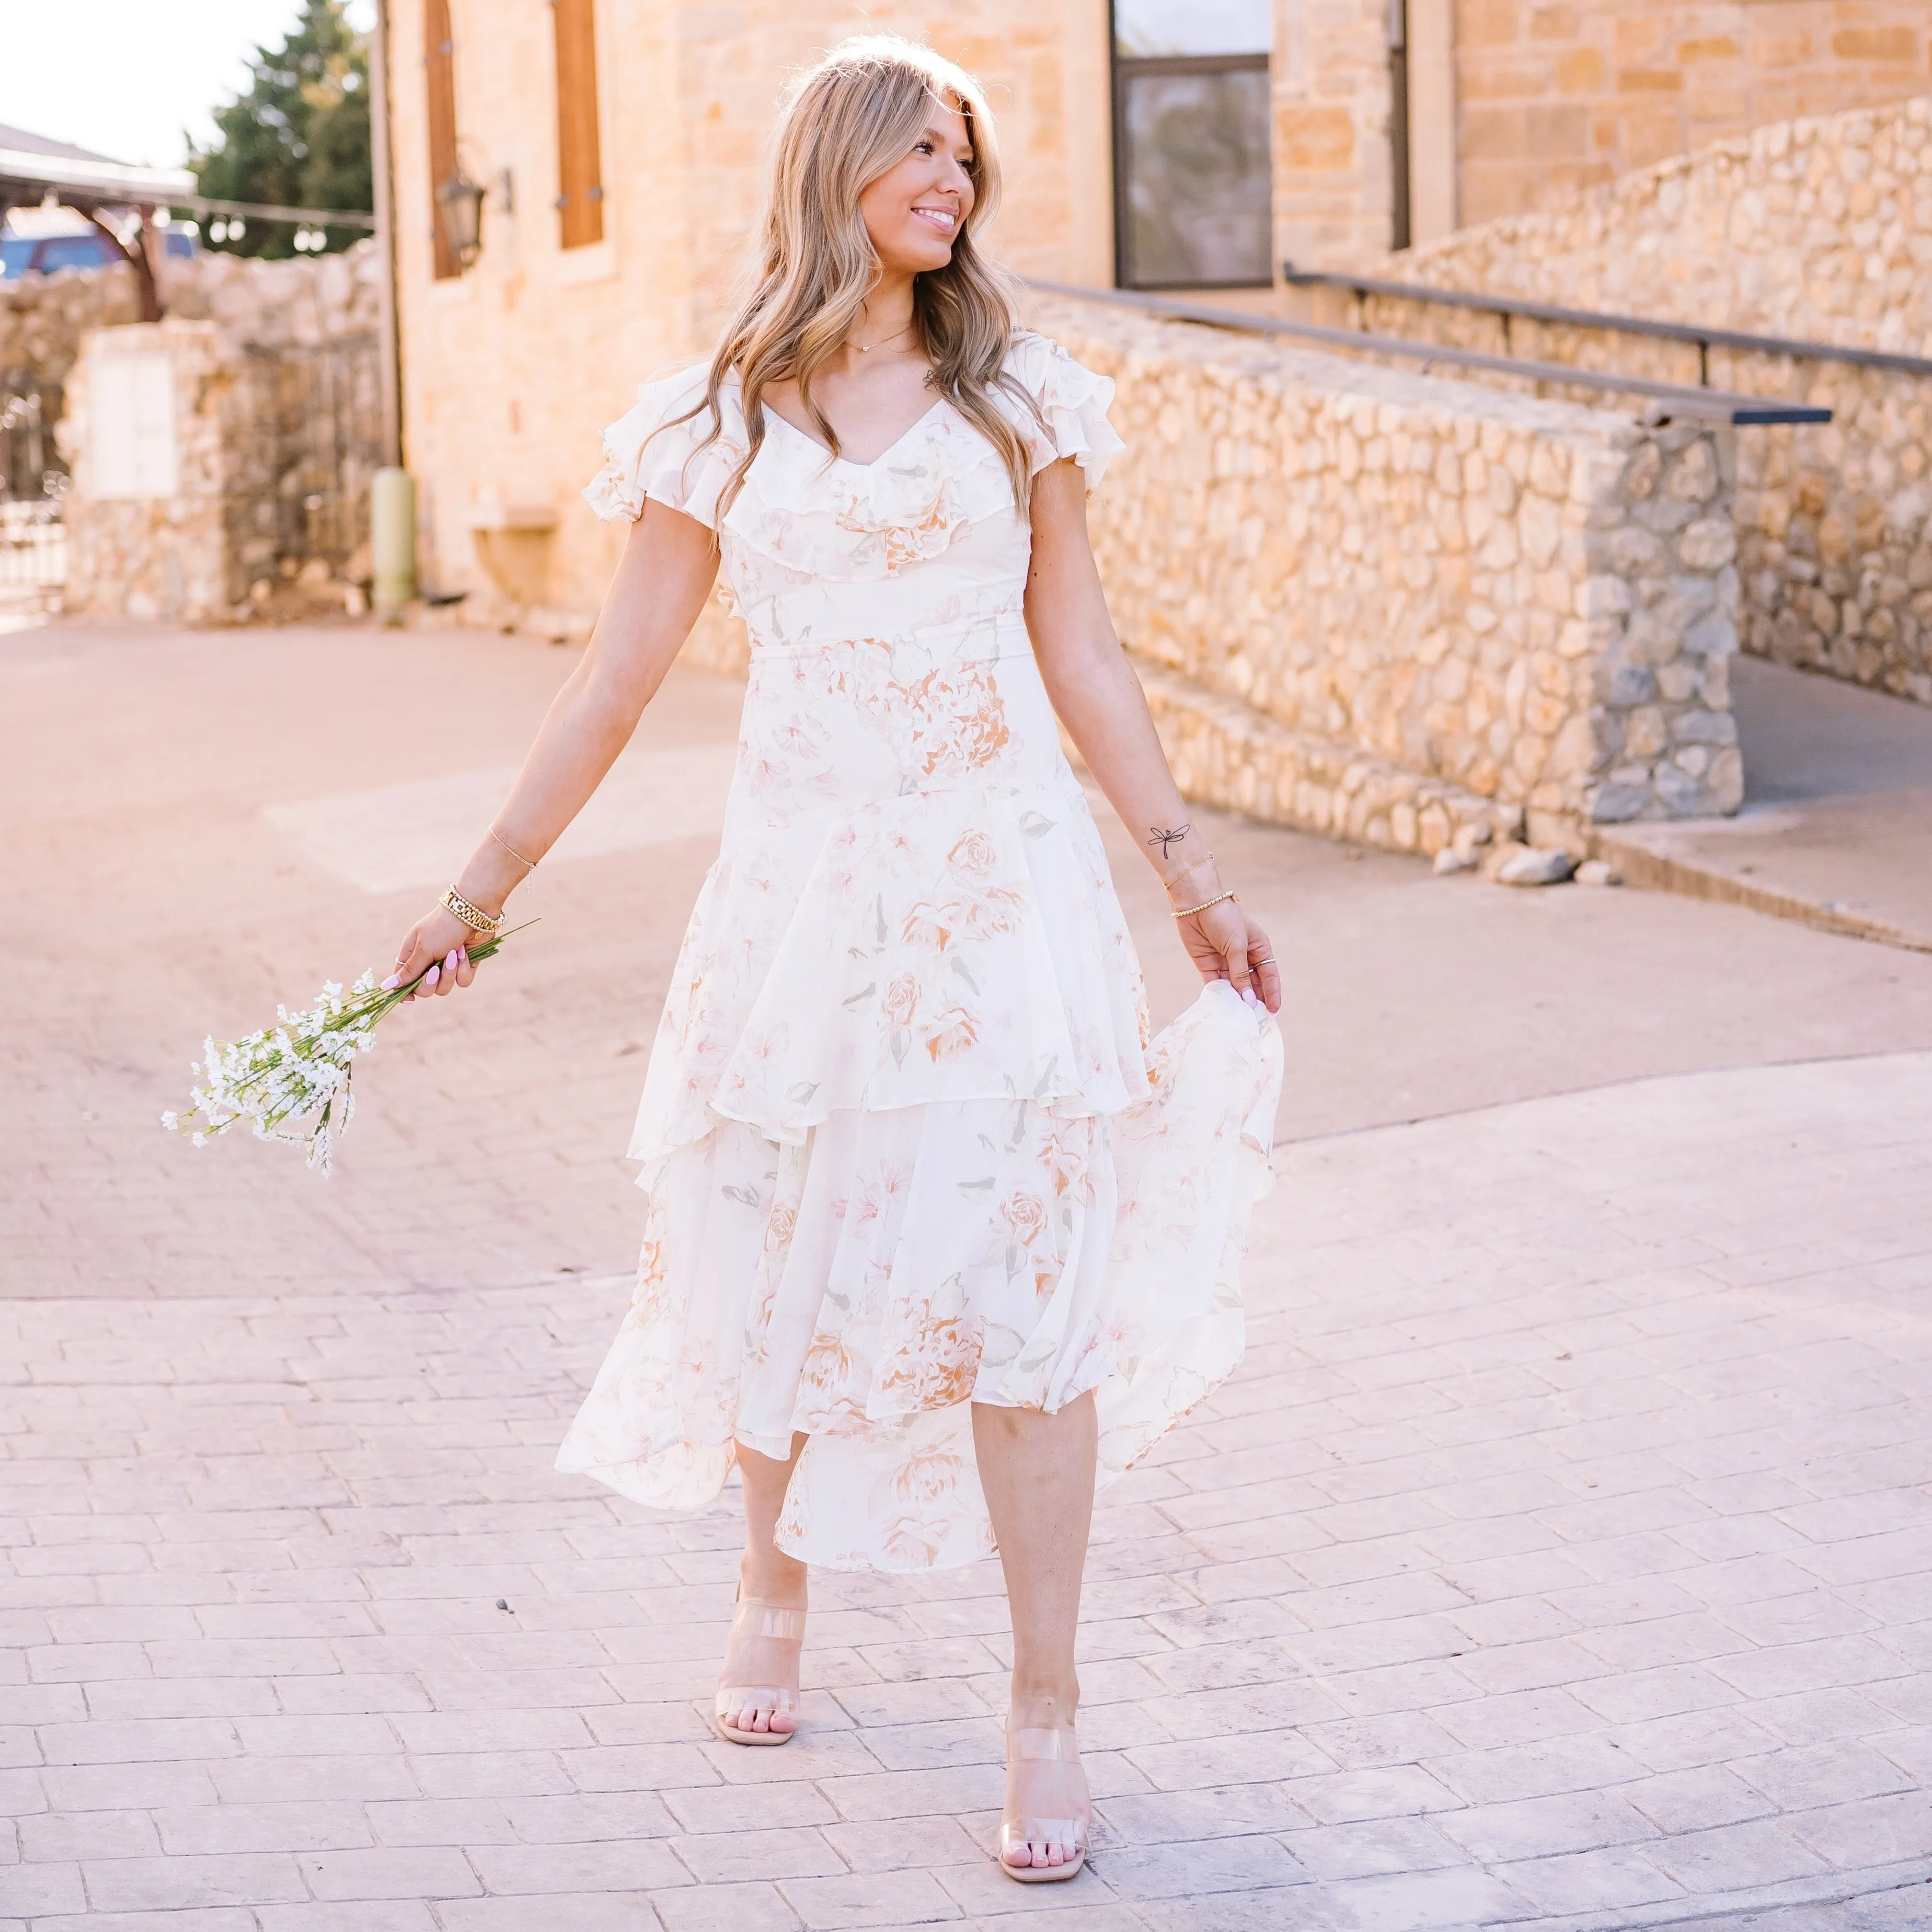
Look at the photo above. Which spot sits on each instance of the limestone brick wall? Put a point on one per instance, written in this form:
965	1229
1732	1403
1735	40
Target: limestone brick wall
1817	230
1333	186
1527	605
1517	104
1558	95
1047	76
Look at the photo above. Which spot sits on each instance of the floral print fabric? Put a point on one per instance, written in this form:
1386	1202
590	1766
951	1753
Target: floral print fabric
907	1144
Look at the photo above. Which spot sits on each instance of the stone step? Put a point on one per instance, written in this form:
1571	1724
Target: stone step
1836	831
1227	755
1700	859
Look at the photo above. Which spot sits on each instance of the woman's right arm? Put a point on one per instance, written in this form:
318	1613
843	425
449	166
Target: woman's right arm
669	562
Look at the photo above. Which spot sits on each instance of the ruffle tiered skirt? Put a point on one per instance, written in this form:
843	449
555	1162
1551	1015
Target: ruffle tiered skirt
904	1151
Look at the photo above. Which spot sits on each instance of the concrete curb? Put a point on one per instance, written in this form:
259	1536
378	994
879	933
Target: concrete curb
1641	865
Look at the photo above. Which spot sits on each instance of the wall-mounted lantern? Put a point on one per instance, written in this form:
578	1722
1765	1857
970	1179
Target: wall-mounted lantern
461	200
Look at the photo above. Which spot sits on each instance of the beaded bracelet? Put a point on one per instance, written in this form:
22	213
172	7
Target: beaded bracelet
1188	912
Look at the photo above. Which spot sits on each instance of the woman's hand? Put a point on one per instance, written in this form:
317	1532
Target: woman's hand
1225	944
1099	699
437	947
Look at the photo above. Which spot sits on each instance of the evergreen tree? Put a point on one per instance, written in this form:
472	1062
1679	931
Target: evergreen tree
298	135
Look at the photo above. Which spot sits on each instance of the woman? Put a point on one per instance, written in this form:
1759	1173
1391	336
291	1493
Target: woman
932	1228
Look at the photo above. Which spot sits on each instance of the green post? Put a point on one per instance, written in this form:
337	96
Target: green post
392	538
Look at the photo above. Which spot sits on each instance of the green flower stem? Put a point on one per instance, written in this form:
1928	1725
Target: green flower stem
380	1002
321	1033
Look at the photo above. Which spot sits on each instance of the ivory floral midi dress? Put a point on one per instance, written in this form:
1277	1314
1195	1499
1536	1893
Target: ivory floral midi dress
906	1143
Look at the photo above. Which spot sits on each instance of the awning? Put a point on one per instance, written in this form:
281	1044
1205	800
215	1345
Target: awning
113	184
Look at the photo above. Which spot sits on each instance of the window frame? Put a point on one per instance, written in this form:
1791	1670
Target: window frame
1124	67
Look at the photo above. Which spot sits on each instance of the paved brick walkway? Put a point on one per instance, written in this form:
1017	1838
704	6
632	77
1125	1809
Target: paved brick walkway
1560	1558
1561	1555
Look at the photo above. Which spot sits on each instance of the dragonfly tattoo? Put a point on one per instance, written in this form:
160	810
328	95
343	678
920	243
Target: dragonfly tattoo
1164	839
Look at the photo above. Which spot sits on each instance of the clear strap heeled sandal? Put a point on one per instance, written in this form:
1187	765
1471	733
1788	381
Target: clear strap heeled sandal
754	1618
1069	1783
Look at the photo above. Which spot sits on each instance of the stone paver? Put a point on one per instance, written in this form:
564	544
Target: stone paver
1561	1556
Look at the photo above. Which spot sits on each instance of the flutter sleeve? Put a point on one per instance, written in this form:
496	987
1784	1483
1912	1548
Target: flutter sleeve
662	448
1072	401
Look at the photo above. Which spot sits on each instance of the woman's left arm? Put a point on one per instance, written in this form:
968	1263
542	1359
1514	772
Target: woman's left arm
1099	700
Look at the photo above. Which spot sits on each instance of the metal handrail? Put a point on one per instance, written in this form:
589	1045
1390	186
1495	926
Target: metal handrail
1706	339
1669	399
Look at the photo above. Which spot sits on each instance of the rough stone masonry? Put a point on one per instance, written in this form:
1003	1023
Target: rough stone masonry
1819	229
1406	611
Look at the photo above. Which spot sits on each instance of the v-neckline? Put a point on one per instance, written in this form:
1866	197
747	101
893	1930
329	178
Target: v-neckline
905	436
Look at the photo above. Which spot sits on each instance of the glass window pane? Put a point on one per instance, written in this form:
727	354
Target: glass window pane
1143	28
1199	201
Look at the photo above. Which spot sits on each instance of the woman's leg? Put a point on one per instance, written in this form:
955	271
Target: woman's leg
1037	1471
766	1575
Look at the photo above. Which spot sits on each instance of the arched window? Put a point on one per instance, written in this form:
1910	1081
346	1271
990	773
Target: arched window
1193	180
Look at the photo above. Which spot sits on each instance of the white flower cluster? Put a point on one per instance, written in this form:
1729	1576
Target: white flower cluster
297	1069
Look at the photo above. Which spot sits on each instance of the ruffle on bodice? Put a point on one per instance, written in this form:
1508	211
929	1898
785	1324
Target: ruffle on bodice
831	519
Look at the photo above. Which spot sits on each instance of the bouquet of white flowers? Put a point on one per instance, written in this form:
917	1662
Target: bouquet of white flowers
298	1068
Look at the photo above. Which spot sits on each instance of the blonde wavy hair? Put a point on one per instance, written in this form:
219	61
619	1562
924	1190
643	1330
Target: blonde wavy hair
845	122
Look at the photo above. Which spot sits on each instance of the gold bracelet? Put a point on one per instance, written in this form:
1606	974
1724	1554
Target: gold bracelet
478	921
1188	912
1169	884
530	864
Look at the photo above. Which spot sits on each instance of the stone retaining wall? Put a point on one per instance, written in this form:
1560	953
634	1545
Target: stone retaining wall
261	304
149	557
43	317
1429	605
1819	229
300	302
276	449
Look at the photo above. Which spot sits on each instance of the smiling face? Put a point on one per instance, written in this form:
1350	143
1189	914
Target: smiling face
914	210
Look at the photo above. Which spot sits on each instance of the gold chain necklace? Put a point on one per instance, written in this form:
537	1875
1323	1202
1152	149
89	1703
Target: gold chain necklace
866	348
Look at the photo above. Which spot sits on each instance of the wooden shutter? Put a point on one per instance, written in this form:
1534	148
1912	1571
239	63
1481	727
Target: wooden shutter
580	199
439	72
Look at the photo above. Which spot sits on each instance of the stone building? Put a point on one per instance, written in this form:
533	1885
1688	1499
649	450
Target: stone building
1150	143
